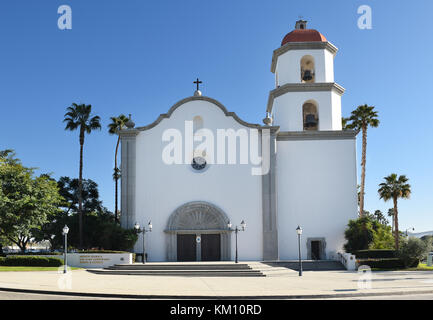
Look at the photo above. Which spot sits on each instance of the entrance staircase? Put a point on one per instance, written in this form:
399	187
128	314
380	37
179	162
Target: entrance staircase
199	269
219	269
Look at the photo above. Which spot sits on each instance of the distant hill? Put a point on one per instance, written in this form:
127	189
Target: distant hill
420	234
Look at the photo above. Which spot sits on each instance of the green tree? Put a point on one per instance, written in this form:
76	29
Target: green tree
117	123
68	212
382	237
26	202
359	234
79	117
379	217
363	117
391	214
101	231
394	188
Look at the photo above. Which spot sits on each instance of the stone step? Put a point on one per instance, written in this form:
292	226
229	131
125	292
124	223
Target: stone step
309	265
184	273
181	267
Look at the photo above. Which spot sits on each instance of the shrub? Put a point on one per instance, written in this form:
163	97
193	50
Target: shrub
29	261
102	251
366	233
359	234
375	254
413	251
382	237
391	263
35	254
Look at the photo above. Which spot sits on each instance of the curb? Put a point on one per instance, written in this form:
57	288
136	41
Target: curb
192	297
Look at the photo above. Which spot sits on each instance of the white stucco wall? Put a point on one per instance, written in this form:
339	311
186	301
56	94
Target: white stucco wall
316	182
161	188
287	110
288	67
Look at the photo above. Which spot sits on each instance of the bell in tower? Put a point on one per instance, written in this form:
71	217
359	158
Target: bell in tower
301	24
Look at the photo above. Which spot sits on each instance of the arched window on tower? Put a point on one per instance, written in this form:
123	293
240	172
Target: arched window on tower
197	129
197	123
310	115
307	69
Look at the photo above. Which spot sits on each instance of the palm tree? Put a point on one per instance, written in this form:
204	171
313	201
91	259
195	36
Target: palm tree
395	187
361	118
380	217
344	123
79	116
117	123
391	214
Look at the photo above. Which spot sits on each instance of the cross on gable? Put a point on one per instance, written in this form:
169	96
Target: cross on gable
197	82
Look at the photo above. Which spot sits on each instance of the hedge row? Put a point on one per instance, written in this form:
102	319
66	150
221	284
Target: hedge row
390	263
34	254
375	254
28	261
101	251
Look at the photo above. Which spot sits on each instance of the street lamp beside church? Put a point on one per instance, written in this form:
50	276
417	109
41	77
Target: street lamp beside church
299	232
65	233
236	230
143	231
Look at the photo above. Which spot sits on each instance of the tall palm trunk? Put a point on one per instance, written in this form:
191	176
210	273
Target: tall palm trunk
80	190
116	216
396	232
363	161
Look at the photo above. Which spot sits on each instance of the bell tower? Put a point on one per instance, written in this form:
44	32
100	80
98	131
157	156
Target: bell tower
306	98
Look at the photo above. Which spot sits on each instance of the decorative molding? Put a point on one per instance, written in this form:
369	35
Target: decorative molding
301	46
197	215
128	180
302	87
128	133
316	135
269	206
197	98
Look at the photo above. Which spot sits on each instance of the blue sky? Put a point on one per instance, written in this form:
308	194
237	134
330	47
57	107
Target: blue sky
141	57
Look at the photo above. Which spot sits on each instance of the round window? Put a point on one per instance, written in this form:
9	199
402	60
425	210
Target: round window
198	163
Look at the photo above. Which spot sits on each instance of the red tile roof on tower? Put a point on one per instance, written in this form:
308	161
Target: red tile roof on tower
303	35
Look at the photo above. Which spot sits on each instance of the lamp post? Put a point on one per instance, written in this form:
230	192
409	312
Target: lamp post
143	231
299	232
236	230
65	233
413	229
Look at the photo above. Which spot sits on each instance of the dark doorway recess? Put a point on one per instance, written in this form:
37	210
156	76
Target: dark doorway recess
210	247
315	250
186	247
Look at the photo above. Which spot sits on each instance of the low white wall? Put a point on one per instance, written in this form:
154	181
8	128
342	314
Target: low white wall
98	260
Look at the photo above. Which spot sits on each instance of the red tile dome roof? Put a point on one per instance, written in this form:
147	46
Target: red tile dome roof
303	35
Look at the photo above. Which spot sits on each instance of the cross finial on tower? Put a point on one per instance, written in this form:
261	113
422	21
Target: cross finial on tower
197	82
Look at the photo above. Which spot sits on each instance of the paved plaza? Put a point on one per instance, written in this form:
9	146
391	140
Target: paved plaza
288	284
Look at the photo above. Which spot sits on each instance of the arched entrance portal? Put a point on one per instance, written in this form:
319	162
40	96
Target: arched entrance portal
200	220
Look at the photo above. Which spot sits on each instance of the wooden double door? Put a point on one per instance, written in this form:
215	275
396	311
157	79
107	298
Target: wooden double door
209	248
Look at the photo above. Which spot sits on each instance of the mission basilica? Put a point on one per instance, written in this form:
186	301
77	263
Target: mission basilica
198	207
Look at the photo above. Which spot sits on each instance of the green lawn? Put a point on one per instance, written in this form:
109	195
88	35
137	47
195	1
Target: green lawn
31	268
421	267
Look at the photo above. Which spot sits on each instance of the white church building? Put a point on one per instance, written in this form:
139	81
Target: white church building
181	172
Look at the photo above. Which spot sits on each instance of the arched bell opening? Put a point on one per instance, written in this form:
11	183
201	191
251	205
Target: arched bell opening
310	115
307	69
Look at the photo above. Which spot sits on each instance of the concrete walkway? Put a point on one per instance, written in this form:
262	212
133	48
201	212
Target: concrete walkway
279	285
